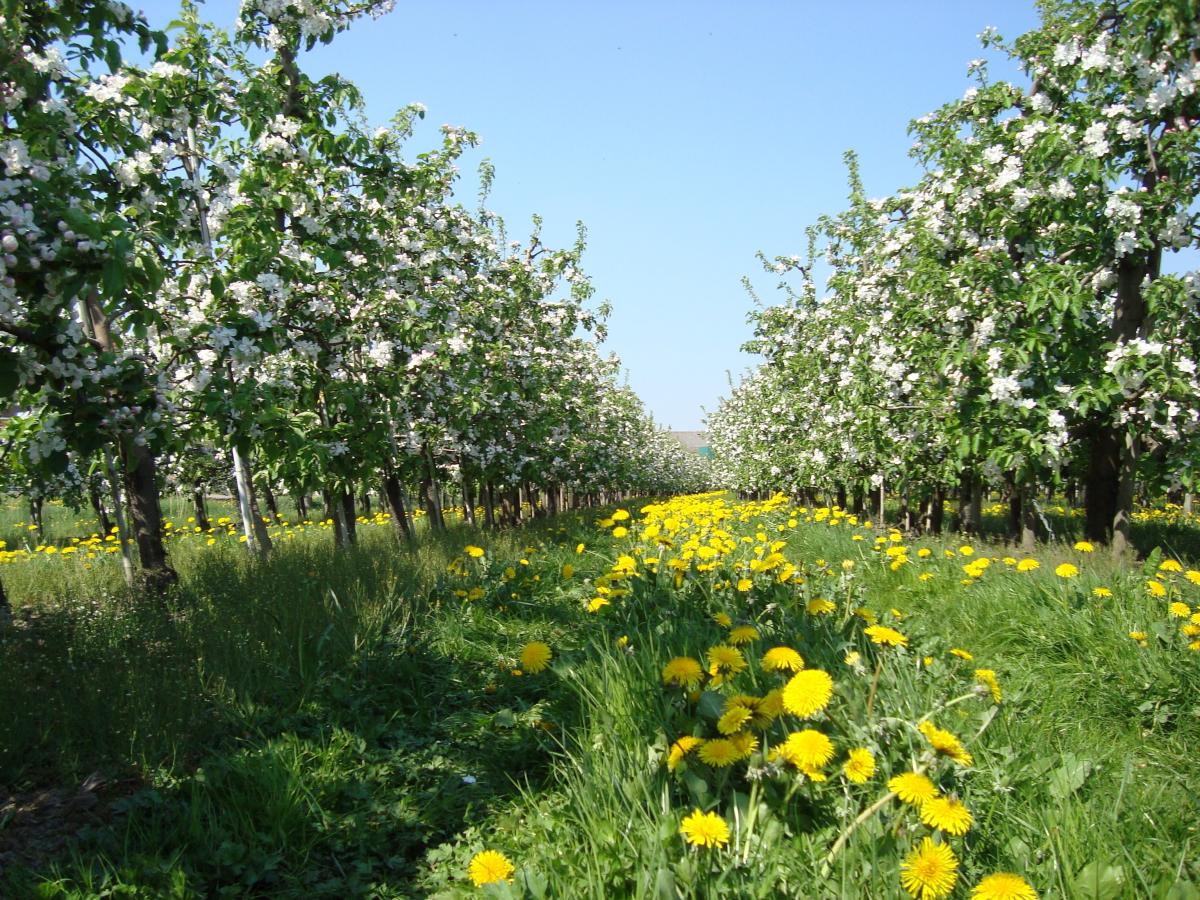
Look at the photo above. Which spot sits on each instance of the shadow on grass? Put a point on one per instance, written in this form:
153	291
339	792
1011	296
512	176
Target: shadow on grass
308	726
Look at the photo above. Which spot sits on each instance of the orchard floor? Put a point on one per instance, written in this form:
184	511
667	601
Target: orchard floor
359	724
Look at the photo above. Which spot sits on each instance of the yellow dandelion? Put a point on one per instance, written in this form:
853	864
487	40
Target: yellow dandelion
1193	576
807	749
719	752
1028	565
860	765
946	814
1084	546
1156	589
579	548
1101	592
744	742
723	620
684	672
535	657
852	658
744	584
620	531
807	692
568	571
1066	570
474	552
489	867
1003	886
724	661
885	637
945	743
912	788
988	677
680	749
961	654
930	871
1179	610
733	719
743	634
597	603
782	659
966	550
771	706
819	607
1170	565
704	829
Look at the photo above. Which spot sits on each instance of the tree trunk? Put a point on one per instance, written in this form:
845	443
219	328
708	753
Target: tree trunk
351	523
260	527
1028	517
1187	503
114	485
394	495
1122	544
1100	483
198	507
244	483
301	500
489	505
333	514
97	502
1016	500
35	517
257	539
272	503
1112	467
431	491
937	510
5	608
970	503
515	503
141	487
468	500
364	501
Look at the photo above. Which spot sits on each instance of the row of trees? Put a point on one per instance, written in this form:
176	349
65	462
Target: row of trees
214	270
1007	321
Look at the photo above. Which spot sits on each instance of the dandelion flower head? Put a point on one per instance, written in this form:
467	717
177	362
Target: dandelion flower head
489	867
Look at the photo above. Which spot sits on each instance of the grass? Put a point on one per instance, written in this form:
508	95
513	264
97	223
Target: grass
345	725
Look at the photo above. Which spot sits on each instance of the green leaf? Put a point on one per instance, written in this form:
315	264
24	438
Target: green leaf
113	276
1150	566
1069	777
711	705
1098	880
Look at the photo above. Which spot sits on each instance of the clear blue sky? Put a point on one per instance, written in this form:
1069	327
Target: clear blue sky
686	136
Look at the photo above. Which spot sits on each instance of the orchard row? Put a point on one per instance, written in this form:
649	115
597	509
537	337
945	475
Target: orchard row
216	275
1010	322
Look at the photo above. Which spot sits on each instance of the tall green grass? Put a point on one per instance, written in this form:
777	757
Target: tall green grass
339	725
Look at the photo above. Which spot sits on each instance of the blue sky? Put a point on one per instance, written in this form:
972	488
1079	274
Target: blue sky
686	136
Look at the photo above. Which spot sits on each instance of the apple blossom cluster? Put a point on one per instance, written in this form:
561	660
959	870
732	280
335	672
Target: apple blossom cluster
1020	316
213	267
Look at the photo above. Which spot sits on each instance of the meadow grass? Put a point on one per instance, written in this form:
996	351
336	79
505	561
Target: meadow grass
325	724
